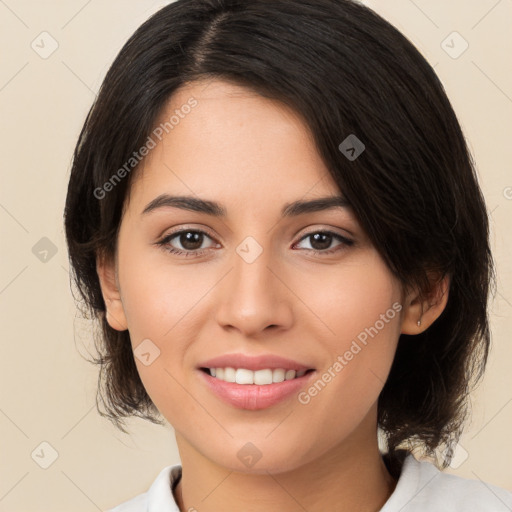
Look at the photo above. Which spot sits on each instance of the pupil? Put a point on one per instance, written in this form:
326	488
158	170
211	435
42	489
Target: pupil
321	239
190	240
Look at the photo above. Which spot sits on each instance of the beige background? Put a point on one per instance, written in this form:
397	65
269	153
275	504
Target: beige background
48	389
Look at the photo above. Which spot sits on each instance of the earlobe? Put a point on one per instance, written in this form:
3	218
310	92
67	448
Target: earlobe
115	315
419	315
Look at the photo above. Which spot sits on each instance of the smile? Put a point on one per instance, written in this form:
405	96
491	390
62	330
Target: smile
259	377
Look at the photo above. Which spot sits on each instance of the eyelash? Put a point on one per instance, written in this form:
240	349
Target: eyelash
164	243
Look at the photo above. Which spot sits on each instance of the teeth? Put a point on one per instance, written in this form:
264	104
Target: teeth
229	375
259	377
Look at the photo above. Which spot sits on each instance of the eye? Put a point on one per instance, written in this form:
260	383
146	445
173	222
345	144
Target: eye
191	242
321	242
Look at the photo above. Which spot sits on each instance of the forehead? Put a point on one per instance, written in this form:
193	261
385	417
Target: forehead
232	145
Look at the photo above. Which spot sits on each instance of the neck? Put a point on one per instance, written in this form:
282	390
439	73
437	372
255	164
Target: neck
349	477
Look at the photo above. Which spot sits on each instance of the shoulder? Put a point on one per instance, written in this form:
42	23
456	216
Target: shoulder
421	487
158	497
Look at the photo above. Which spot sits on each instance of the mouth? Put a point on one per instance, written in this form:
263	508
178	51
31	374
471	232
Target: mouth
254	390
263	377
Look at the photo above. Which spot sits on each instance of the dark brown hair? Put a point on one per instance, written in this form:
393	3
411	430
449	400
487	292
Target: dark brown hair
414	188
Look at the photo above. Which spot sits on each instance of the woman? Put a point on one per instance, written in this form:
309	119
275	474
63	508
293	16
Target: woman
274	215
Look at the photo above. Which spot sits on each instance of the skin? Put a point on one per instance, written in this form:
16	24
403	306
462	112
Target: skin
254	155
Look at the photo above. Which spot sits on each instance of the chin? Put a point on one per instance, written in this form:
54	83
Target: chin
250	460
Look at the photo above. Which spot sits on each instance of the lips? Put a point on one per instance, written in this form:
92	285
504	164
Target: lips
254	363
255	396
252	396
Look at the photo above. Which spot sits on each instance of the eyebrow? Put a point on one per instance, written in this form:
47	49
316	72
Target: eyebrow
213	208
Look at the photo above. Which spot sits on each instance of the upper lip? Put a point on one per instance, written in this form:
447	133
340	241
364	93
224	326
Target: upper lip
253	363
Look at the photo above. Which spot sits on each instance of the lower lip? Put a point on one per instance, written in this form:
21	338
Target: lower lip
252	396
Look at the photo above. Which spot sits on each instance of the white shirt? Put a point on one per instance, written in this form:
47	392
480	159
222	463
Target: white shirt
421	487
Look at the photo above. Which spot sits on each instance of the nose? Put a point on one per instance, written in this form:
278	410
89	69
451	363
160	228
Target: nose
254	297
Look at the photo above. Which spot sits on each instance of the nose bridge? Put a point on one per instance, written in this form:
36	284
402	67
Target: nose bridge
252	298
251	286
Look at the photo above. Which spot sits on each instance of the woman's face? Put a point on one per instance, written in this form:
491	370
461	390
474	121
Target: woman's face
253	282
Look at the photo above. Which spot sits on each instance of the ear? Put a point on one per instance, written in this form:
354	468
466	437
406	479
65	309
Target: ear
425	311
106	269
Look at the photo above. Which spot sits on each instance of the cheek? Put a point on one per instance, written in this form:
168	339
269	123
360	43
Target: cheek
349	297
159	300
361	308
162	304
